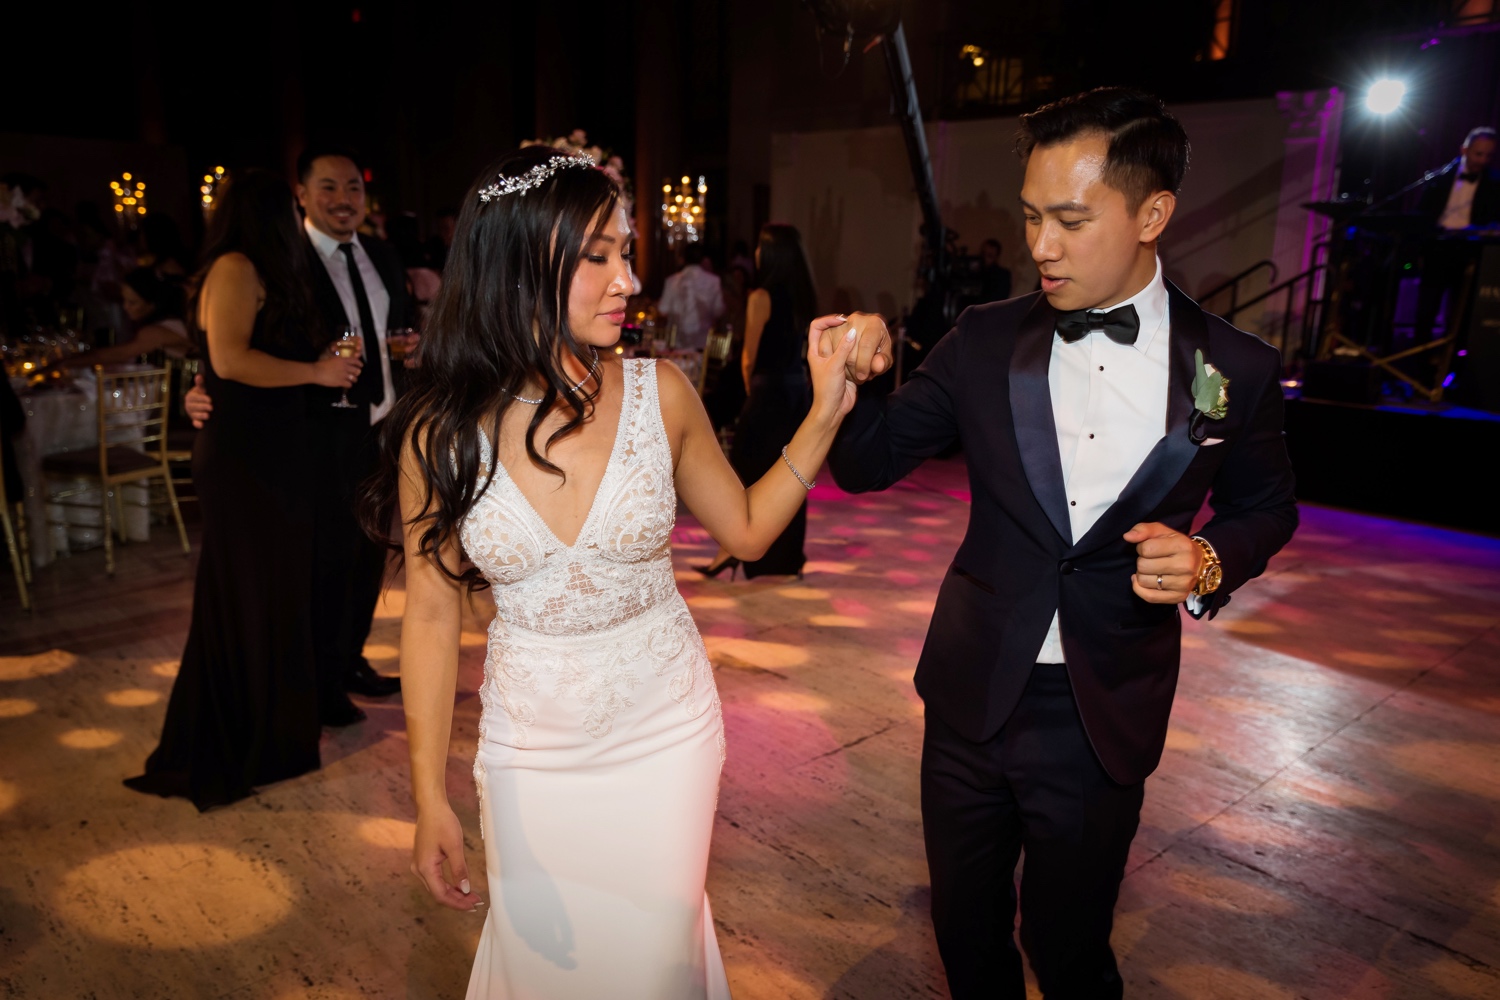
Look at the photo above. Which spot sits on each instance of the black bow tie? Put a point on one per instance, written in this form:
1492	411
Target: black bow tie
1120	325
1469	178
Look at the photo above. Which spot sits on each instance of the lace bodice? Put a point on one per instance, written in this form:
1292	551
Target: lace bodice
593	657
620	567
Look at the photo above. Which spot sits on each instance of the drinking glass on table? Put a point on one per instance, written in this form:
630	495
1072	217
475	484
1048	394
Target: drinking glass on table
346	346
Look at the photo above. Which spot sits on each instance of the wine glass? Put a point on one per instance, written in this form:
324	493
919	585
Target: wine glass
346	346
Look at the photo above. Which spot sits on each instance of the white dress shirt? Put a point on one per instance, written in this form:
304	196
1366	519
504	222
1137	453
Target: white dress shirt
1460	207
693	298
1109	402
380	303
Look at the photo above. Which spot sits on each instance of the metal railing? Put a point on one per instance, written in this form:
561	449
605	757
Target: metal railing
1232	285
1313	285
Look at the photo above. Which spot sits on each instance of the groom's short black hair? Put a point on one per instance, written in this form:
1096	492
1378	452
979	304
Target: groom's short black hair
1148	150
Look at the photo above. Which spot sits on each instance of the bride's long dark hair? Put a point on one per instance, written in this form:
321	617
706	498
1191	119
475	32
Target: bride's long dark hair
498	327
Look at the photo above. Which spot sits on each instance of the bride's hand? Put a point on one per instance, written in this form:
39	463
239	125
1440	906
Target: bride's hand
440	838
833	392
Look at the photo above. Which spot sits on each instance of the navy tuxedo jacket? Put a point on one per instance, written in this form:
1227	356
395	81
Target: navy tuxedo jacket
985	385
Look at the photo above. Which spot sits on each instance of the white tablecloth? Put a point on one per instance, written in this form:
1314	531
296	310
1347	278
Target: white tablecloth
61	420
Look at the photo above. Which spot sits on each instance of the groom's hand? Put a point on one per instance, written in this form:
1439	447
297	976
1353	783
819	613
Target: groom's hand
1167	563
872	348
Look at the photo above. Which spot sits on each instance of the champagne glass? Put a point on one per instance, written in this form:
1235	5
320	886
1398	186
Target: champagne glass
346	346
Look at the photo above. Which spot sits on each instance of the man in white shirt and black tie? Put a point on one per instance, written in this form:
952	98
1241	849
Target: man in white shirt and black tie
359	284
1095	417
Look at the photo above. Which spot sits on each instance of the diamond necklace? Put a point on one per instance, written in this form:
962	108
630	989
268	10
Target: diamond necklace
593	371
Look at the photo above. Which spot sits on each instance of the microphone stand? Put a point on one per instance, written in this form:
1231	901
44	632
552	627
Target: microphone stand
1431	175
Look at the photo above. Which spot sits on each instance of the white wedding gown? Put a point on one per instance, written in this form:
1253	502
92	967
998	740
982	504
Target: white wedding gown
600	740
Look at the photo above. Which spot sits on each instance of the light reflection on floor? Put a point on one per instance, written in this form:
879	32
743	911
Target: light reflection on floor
1325	823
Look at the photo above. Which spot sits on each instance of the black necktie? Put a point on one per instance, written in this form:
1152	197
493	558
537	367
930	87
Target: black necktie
370	386
1120	325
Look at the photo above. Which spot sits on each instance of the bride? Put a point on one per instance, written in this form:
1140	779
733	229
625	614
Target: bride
534	461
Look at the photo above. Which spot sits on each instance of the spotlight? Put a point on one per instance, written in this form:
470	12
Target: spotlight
1385	96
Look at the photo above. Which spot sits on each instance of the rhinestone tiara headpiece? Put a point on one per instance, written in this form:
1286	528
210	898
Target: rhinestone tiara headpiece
521	183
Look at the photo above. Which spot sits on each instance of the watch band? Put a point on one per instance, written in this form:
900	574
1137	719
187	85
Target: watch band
1210	575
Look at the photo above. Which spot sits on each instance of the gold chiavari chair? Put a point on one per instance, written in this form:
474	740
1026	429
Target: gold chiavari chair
132	420
18	544
715	354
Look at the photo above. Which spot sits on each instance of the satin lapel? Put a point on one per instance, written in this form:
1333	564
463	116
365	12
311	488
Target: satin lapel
1166	462
1031	411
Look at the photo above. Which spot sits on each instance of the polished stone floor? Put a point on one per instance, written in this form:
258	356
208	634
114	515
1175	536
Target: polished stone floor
1326	821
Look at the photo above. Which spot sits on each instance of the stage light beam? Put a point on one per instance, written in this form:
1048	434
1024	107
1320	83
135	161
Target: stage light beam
1385	95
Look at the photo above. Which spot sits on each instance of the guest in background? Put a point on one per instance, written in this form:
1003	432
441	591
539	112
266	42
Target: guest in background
155	307
692	298
994	280
775	370
357	281
1464	195
244	706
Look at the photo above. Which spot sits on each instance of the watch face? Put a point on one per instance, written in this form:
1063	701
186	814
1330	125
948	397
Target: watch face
1212	577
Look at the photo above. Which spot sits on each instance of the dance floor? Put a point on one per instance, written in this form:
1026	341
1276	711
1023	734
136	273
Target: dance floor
1325	823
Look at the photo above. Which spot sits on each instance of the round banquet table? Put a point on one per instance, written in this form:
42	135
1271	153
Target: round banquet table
59	420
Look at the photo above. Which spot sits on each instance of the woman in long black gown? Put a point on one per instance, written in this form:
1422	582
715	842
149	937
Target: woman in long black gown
244	707
779	394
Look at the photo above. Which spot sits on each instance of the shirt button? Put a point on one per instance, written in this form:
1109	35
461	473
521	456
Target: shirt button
1091	437
1101	368
1072	503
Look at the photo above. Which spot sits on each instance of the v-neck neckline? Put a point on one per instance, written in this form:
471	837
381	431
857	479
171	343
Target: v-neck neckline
626	376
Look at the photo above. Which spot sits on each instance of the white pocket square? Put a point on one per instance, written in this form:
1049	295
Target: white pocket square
1209	441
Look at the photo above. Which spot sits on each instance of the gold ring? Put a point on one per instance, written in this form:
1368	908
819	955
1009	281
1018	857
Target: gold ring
1158	582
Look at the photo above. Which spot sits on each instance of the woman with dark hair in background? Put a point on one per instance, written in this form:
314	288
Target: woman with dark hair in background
155	306
244	707
775	372
532	459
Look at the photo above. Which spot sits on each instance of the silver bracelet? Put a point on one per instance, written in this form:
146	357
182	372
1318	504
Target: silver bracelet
807	485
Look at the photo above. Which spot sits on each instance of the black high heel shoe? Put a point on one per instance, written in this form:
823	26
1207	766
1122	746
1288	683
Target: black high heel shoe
712	572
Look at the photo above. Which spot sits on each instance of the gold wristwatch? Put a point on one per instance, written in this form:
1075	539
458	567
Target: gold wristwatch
1212	573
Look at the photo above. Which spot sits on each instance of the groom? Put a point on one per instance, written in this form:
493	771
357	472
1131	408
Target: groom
1095	417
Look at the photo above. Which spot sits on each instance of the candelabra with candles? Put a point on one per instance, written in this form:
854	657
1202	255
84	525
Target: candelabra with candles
682	211
130	199
209	189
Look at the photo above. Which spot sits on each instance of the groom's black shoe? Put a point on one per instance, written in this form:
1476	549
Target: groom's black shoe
340	713
364	680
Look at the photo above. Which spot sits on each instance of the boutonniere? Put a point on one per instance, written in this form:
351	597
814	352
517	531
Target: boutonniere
1210	396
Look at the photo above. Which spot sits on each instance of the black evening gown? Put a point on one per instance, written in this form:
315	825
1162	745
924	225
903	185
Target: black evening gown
244	707
779	397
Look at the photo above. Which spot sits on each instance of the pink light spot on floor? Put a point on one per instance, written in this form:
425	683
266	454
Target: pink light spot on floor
916	555
903	577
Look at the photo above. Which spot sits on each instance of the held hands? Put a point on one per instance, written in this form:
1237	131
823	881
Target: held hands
1167	556
440	838
872	353
831	341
